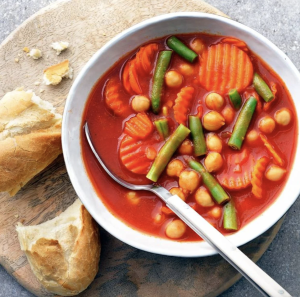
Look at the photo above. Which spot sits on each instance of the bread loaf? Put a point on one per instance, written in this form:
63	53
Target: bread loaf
64	252
30	138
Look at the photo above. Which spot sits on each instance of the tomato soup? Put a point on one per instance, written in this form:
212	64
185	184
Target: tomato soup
200	115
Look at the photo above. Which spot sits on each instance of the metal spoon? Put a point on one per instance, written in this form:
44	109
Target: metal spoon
256	276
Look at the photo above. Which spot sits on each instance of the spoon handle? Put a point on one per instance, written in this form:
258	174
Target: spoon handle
257	277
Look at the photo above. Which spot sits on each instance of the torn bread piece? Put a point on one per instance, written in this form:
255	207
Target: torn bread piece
30	138
35	53
54	74
60	46
64	252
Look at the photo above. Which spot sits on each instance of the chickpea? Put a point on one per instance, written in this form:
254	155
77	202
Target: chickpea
140	103
175	229
173	79
151	153
283	116
214	101
189	180
275	173
228	113
174	168
197	45
266	125
216	212
178	192
213	162
214	143
186	148
132	197
252	137
203	198
213	121
186	69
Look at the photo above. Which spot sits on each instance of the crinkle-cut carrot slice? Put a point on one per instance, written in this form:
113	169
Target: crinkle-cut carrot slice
273	88
234	41
133	156
141	64
183	104
238	182
223	67
257	176
145	57
139	126
114	99
276	157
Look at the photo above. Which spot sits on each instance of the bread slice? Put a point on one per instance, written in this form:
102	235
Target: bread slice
30	138
64	252
55	73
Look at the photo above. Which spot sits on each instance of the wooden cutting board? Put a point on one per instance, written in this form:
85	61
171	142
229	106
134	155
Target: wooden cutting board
123	270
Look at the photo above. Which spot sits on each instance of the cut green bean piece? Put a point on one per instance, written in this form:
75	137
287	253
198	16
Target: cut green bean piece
262	88
181	49
166	152
162	128
212	184
235	98
158	79
242	124
230	218
197	136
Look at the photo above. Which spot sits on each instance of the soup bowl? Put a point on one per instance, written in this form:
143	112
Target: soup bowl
108	55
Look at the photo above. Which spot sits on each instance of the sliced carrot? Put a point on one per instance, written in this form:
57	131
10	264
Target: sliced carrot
277	159
273	88
223	67
257	176
147	56
133	78
241	157
238	182
183	104
133	156
139	127
114	98
199	111
234	41
125	78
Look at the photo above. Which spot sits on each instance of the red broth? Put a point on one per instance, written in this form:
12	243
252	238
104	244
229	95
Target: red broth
144	211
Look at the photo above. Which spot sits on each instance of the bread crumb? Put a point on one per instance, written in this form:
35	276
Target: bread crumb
37	83
19	55
42	90
26	49
35	53
16	60
104	34
55	73
16	216
60	46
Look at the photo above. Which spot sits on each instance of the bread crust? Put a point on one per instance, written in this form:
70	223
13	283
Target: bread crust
67	265
30	139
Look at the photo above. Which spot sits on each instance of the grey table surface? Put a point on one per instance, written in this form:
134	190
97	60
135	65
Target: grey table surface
279	21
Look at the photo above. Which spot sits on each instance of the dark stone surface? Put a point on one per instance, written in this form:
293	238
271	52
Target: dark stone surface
277	20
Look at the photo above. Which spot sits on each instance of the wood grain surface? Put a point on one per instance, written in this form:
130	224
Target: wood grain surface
123	270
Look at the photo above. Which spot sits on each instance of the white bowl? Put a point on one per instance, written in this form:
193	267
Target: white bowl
128	40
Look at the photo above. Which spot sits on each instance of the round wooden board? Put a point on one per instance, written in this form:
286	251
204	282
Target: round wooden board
123	270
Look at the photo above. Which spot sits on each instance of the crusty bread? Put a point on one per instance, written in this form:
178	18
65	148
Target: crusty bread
64	252
55	73
30	138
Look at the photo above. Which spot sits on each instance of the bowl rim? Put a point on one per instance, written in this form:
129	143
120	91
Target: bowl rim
66	150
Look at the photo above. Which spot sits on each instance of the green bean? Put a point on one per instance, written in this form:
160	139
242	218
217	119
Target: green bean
158	79
181	49
242	124
230	218
197	136
235	98
162	128
212	184
262	88
166	152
